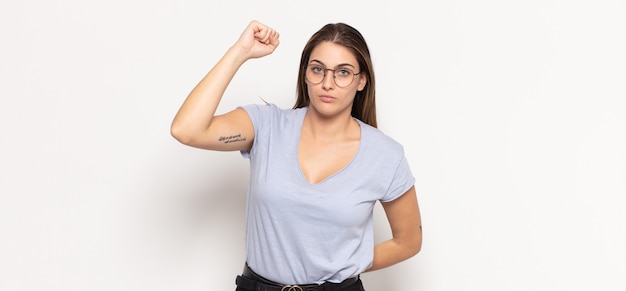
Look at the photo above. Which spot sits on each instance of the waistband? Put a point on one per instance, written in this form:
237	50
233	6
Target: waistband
251	280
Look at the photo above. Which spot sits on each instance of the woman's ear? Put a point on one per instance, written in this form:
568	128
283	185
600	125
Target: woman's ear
362	82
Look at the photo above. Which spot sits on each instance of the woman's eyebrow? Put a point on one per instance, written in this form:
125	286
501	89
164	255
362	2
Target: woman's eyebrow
340	65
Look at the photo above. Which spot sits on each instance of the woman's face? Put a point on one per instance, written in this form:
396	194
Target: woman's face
328	98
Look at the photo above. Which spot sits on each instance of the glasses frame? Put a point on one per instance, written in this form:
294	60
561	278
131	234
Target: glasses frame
306	69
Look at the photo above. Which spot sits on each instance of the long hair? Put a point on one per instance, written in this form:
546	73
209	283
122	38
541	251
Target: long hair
364	106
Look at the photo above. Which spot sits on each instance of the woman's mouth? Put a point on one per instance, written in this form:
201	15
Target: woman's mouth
326	98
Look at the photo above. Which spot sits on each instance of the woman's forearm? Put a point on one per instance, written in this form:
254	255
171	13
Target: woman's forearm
195	115
393	251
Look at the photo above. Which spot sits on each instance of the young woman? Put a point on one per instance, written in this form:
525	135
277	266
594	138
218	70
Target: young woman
317	170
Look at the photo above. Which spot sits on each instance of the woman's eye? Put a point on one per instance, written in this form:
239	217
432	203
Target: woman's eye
343	72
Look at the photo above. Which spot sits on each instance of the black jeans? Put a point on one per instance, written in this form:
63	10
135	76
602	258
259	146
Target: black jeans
250	281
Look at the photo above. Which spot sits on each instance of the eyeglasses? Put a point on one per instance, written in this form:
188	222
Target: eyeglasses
343	77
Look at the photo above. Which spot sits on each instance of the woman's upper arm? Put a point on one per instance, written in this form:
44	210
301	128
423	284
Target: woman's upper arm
232	131
405	220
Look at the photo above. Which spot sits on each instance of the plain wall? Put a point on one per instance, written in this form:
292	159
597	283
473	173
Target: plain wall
512	115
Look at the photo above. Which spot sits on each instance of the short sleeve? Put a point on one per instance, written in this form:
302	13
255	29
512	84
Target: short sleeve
402	181
255	114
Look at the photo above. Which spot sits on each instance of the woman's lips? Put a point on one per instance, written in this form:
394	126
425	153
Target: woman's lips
326	98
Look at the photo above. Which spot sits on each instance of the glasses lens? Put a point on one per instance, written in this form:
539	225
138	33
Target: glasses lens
315	74
343	77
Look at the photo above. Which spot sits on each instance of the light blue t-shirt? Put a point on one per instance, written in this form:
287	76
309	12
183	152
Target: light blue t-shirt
300	233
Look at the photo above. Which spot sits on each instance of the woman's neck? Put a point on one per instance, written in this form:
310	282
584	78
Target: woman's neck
329	128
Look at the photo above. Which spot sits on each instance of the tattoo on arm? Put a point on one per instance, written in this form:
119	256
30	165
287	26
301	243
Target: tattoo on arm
232	138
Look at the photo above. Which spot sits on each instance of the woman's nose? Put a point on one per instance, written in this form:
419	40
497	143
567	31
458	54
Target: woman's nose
329	79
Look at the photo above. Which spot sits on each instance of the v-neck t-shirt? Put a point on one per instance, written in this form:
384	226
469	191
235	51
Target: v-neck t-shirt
298	232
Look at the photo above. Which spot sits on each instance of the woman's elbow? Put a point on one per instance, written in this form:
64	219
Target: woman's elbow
415	245
180	134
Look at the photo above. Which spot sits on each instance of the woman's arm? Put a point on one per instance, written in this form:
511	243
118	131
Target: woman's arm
406	227
195	124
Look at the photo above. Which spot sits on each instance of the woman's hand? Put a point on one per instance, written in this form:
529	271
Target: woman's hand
258	40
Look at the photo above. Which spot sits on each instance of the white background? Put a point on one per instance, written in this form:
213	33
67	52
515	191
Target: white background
512	114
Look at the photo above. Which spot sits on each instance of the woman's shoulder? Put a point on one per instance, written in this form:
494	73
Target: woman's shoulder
379	140
269	116
271	109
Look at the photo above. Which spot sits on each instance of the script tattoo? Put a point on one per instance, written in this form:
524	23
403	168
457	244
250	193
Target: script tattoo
232	138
